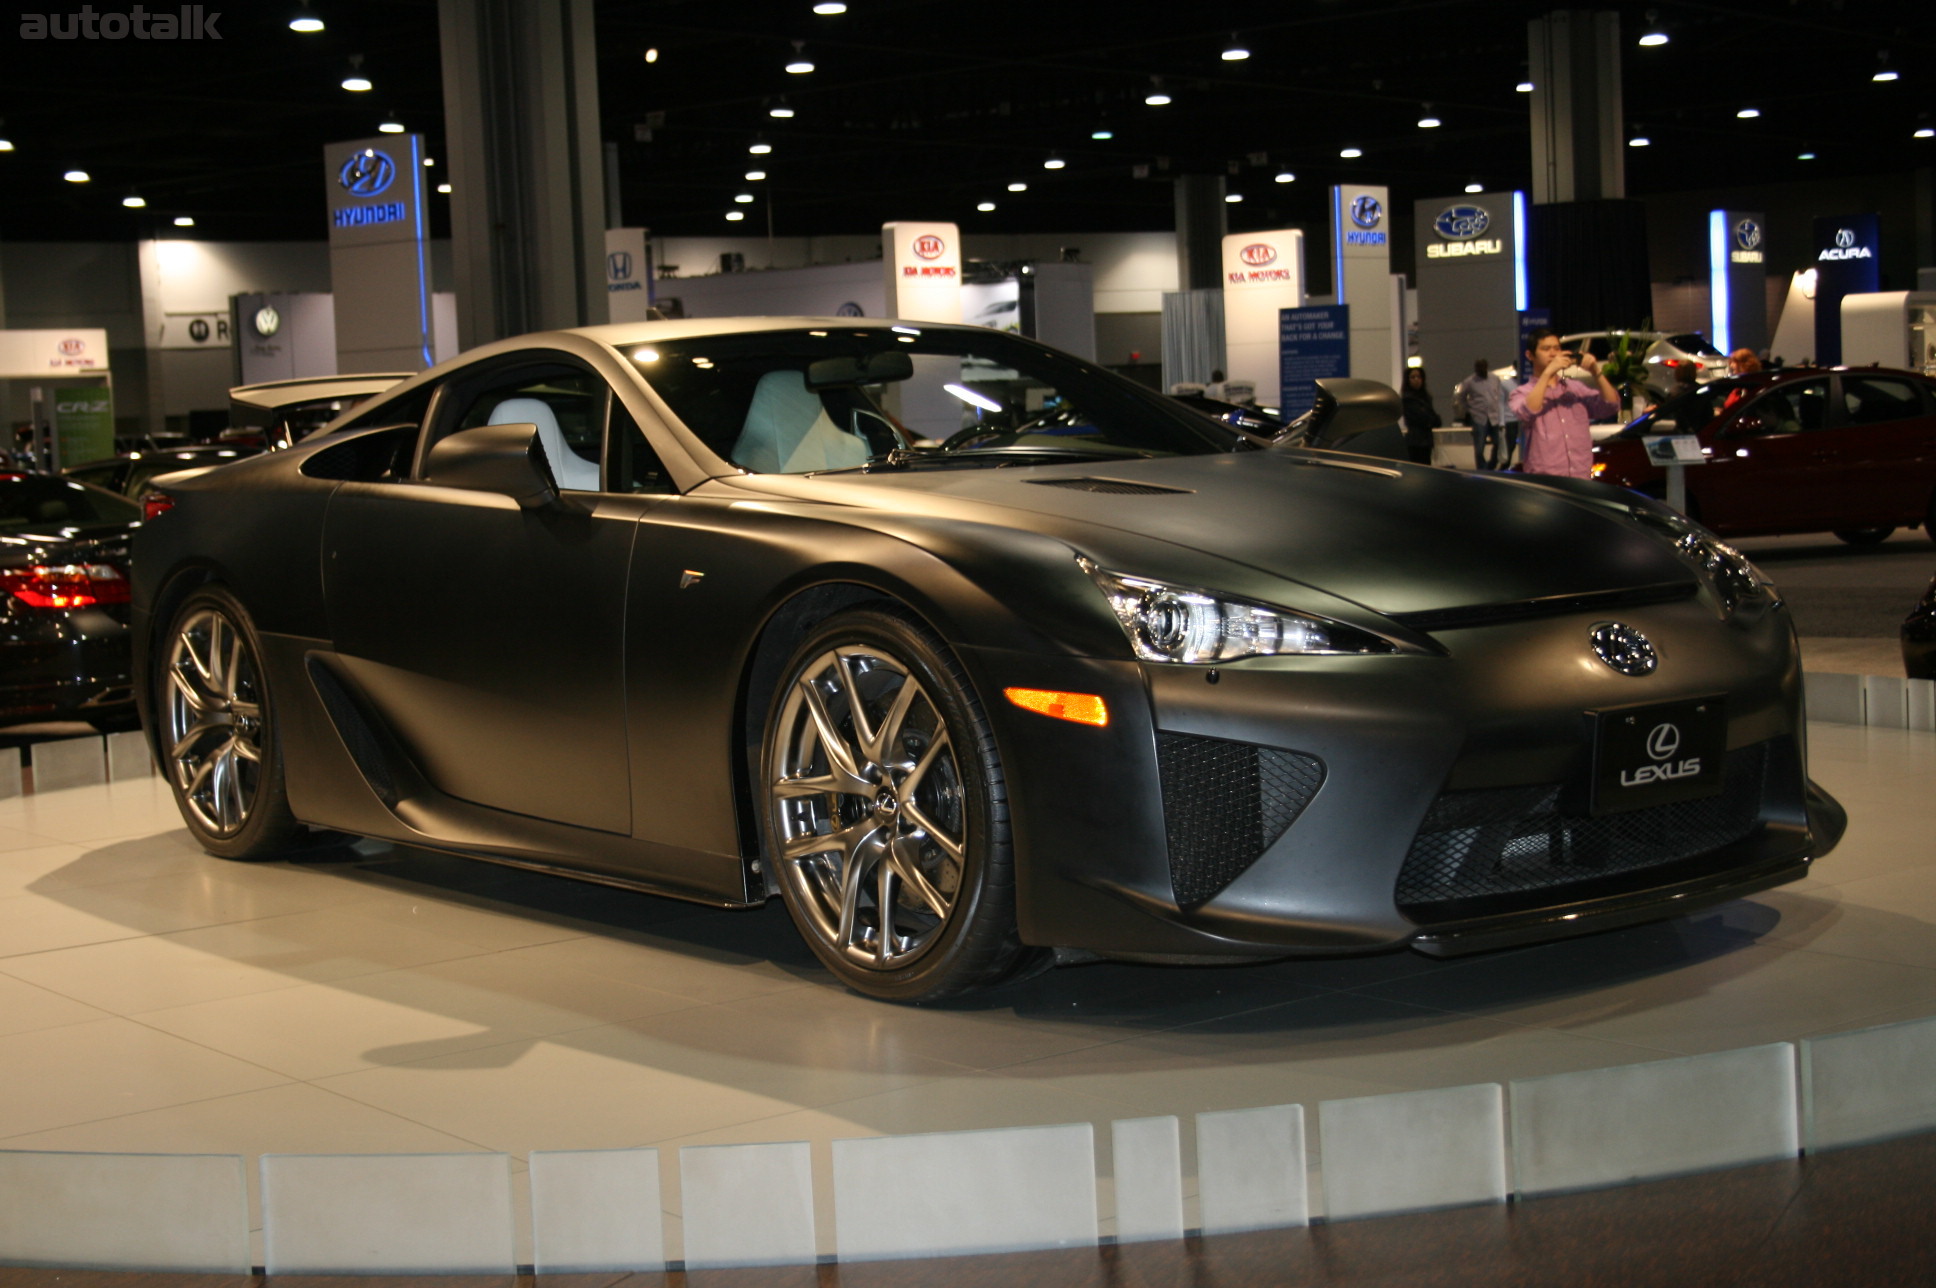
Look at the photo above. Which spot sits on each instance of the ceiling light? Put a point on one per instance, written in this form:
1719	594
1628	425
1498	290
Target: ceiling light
801	64
444	188
984	206
134	202
1640	141
1285	176
1429	122
430	160
1235	52
1350	153
1804	156
1475	187
1524	87
306	22
1653	39
743	198
734	216
1747	114
1884	76
1157	98
652	55
1102	134
1884	72
828	8
77	176
1925	133
760	148
780	112
1232	198
391	126
6	145
1054	163
356	82
1018	187
184	221
754	176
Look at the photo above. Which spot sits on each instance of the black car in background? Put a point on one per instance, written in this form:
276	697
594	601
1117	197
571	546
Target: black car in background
64	615
129	472
1919	637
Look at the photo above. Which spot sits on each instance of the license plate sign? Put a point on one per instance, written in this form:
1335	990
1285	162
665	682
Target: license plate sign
1657	753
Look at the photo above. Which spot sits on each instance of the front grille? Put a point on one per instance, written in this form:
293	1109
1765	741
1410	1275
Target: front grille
1115	486
1225	803
1502	849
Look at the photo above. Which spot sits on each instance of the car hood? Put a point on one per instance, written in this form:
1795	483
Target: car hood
1394	538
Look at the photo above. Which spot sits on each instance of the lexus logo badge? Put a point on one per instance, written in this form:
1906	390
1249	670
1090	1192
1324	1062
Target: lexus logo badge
1664	741
1624	649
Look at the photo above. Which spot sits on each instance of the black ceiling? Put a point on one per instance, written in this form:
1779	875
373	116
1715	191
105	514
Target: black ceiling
920	109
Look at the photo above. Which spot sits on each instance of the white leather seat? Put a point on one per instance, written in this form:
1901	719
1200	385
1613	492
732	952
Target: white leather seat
573	472
788	431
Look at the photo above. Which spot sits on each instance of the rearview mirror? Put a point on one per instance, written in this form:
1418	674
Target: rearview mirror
506	459
862	369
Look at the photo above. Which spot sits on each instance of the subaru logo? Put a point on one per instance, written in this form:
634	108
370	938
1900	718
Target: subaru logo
1664	741
72	347
1747	235
929	246
1366	211
367	173
1462	223
618	266
1844	237
1623	648
1258	254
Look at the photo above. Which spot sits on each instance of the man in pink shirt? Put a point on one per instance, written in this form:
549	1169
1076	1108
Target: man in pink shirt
1555	412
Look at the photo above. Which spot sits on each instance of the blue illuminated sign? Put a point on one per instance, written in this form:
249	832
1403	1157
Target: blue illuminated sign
1366	211
367	173
1462	223
387	212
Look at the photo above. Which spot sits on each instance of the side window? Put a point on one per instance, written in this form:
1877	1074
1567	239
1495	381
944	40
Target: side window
636	467
1794	409
408	410
1873	400
566	404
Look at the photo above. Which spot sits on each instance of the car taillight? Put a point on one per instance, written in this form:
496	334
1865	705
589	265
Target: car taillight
65	585
155	503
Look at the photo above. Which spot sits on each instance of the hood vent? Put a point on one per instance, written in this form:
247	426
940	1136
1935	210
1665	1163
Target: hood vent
1445	619
1118	487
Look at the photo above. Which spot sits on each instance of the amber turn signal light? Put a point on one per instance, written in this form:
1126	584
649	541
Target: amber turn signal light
1079	708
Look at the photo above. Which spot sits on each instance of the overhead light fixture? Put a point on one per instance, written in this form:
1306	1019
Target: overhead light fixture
1232	198
1475	187
734	216
390	126
1101	134
759	148
1804	156
829	8
743	198
984	206
1655	35
444	188
780	111
1747	114
1285	176
77	176
801	64
1351	153
1925	133
652	55
1524	87
429	161
305	21
1640	141
1884	72
6	144
1018	187
754	176
1054	162
356	82
1156	97
1234	52
184	221
1426	121
134	201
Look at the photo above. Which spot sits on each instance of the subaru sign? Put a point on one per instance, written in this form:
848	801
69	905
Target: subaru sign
1462	223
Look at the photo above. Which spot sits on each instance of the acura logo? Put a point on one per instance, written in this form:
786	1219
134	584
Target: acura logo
1747	235
1623	648
367	173
1664	741
1366	212
1844	237
1258	254
929	246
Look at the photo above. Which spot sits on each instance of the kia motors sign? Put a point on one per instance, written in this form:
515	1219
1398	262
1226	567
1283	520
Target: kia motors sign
930	247
1258	254
923	266
53	352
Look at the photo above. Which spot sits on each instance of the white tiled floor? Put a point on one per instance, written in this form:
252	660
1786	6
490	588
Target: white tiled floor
155	999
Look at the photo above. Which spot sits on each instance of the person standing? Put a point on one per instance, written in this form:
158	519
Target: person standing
1556	412
1419	415
1485	409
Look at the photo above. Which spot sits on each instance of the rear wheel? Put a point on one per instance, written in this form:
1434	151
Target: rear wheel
885	812
218	733
1863	536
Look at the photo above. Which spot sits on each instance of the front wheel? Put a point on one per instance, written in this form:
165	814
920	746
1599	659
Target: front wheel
885	813
1863	536
218	734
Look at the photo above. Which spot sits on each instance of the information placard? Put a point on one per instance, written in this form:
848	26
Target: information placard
1313	344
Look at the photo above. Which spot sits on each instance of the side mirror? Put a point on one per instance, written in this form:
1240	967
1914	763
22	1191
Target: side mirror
506	459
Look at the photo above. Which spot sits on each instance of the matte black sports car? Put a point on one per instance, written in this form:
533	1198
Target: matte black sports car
64	602
968	650
1919	637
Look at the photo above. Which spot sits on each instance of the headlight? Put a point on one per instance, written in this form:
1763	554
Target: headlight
1735	579
1169	623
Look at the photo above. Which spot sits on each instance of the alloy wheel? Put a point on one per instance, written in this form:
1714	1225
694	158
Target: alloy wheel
213	734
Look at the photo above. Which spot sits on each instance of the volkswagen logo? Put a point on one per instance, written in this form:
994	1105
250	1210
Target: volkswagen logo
1462	223
618	266
1623	648
1747	235
929	246
1366	211
367	173
267	322
72	347
1664	741
1845	237
1258	254
850	310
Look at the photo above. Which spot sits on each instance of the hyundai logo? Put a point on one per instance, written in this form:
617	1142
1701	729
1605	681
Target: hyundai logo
1845	237
72	347
367	173
1623	648
1462	223
1747	235
1664	741
1366	211
1258	254
618	266
929	246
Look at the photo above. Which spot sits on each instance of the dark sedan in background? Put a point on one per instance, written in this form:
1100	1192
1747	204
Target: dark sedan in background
1919	637
129	473
64	613
1850	450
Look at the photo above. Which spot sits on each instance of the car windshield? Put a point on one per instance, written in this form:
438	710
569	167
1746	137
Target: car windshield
796	402
34	501
1690	412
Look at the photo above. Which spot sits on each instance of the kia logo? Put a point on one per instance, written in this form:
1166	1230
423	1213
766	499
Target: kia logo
618	266
1747	235
929	246
367	173
1664	741
1844	238
1366	212
1258	254
73	347
1462	223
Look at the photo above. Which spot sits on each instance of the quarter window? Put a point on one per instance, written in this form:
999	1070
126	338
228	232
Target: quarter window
1794	409
1873	400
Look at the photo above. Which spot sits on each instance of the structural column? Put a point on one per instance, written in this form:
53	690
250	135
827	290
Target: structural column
526	166
1202	218
1578	120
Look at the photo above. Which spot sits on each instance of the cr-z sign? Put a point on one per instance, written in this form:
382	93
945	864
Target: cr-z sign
90	406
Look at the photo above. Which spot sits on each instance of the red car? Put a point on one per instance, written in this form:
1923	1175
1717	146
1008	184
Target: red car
1850	450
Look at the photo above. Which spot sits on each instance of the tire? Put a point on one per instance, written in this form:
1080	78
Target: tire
881	789
1863	536
218	734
